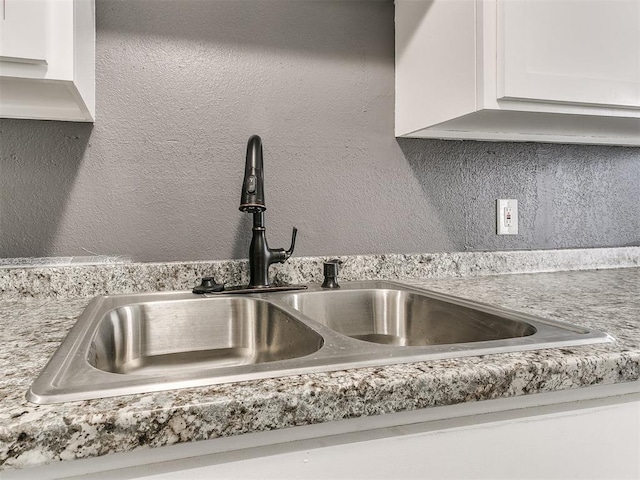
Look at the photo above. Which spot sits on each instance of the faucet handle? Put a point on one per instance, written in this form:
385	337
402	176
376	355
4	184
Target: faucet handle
294	234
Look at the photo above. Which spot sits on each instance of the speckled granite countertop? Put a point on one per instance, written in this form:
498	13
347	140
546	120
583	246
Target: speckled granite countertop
32	329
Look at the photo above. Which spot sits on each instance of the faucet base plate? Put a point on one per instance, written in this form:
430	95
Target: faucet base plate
249	289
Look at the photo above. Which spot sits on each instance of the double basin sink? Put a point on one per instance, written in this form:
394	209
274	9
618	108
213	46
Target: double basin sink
137	343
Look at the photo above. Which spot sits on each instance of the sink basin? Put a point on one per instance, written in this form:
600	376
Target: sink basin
146	338
138	343
400	317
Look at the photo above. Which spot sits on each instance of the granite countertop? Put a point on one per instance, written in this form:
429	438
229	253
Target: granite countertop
32	328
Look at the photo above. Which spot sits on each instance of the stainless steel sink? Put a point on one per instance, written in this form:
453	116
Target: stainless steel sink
126	344
400	317
151	337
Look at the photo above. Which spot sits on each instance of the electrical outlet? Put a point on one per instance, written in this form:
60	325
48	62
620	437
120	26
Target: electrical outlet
507	216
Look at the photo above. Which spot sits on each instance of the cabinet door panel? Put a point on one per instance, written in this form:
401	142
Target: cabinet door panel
584	52
23	30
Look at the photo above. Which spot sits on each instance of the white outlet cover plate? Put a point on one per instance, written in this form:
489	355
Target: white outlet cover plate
507	216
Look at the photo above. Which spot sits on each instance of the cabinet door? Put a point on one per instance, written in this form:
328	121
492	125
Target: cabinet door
580	52
23	32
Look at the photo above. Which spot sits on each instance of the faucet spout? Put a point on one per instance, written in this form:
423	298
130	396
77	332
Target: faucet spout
252	201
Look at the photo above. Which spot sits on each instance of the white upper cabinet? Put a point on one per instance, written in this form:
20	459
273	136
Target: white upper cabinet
47	59
519	70
23	31
567	51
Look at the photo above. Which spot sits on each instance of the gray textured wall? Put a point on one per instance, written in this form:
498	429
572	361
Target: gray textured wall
181	85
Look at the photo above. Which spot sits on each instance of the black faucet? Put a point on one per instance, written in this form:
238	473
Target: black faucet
252	201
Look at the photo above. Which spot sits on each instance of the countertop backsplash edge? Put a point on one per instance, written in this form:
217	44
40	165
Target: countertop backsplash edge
86	280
